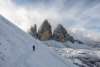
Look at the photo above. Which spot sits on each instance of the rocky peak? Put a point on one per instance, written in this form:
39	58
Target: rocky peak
59	33
60	29
34	28
33	31
45	31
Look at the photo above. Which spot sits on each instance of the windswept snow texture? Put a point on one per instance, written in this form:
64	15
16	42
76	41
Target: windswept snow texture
81	57
16	49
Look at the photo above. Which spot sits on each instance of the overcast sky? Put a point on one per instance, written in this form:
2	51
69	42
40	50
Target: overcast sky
81	15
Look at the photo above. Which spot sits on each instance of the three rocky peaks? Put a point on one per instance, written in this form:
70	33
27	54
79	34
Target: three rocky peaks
45	33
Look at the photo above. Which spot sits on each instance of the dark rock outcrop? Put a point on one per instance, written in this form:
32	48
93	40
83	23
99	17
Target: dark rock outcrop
33	31
45	31
60	34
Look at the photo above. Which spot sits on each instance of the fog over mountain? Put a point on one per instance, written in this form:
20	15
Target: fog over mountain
76	15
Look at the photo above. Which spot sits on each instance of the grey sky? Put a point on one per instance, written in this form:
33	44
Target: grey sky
73	14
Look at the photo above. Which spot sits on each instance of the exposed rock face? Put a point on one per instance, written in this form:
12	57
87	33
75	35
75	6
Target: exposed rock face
33	31
60	34
45	31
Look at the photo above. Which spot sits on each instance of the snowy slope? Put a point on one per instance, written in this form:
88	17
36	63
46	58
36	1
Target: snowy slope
82	55
52	43
68	44
16	49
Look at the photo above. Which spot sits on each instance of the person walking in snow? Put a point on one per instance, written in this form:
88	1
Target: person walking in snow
33	47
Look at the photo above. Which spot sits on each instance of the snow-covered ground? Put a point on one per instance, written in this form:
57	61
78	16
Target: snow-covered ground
81	57
16	49
52	43
56	44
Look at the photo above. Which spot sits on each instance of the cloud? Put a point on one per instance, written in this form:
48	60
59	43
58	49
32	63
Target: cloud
17	15
73	14
25	16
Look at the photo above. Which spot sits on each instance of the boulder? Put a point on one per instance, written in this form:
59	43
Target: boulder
45	31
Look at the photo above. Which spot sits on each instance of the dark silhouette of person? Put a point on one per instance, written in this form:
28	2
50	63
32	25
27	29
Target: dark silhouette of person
33	47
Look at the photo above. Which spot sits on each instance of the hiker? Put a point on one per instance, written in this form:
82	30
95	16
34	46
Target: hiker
33	47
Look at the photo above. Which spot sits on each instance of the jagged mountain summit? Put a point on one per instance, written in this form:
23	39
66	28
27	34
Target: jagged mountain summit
59	34
34	31
45	31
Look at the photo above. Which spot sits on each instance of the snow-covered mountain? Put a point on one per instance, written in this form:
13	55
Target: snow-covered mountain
69	38
16	49
79	49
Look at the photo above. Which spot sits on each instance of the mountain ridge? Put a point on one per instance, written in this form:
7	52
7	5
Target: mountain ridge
59	34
